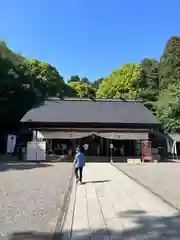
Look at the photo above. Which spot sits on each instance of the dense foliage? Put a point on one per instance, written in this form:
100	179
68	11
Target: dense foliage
154	82
83	89
121	83
24	81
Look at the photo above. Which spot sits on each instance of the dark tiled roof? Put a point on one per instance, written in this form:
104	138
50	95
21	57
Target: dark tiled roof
89	111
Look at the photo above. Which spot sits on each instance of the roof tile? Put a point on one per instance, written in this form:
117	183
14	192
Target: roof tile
89	111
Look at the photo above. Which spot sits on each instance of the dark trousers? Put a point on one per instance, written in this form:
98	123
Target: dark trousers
80	173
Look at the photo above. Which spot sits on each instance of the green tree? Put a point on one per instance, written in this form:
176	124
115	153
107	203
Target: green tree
75	78
97	83
85	80
121	83
83	89
169	71
22	81
148	88
6	52
46	78
16	94
168	108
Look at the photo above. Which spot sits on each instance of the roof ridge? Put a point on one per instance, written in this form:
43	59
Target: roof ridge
91	100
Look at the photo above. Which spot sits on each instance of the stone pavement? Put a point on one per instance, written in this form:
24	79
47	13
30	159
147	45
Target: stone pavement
163	179
109	205
31	198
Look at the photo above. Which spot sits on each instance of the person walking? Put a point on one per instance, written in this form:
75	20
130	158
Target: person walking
79	163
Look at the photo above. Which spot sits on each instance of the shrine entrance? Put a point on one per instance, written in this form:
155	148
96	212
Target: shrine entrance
94	146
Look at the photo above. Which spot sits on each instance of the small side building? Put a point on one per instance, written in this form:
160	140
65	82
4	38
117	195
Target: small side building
96	124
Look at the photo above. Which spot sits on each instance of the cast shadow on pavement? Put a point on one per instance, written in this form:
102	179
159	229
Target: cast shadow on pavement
146	227
22	166
101	181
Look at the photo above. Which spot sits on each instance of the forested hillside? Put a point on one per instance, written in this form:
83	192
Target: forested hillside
24	82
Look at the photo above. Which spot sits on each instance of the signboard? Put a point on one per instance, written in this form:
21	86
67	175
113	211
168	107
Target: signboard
111	146
11	143
31	151
41	151
146	151
134	161
36	151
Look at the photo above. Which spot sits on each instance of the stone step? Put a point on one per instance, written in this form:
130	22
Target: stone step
97	159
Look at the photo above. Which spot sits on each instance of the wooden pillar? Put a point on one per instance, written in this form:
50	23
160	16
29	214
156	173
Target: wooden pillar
50	144
137	148
101	146
74	145
107	147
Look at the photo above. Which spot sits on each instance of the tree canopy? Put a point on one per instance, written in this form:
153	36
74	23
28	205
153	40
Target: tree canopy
83	89
121	83
23	82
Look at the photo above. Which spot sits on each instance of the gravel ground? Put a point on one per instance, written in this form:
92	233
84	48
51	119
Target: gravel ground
163	179
31	196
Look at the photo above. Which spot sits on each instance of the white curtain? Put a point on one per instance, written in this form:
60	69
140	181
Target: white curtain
65	135
124	136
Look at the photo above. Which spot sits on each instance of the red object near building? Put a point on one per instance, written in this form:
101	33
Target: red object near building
146	151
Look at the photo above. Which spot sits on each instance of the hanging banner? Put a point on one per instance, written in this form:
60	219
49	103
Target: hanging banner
146	151
11	143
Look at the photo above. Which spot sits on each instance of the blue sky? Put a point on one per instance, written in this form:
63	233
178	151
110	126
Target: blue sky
89	37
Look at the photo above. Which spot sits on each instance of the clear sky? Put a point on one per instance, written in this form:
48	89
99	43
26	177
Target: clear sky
89	37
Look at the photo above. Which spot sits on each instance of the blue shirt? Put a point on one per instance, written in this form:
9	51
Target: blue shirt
79	160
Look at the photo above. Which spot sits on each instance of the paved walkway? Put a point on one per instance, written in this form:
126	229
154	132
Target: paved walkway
162	179
109	205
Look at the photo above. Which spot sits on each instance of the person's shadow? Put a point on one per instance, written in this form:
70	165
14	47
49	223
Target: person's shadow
100	181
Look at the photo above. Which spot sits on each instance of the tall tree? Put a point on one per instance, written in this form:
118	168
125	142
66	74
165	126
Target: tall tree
121	83
85	80
46	78
22	82
148	89
97	83
168	108
75	78
169	72
83	89
16	93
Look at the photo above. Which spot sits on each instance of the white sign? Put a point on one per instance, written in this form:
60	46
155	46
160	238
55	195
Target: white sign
11	143
41	151
36	151
31	151
111	145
